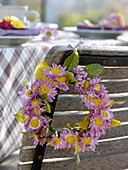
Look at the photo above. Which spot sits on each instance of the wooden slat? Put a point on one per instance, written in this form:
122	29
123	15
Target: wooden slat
109	146
113	86
111	162
73	102
116	72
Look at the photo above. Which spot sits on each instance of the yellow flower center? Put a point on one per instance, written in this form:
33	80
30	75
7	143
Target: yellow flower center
28	92
35	137
54	83
105	114
34	123
106	23
34	87
98	122
70	139
57	140
56	71
88	97
97	102
87	141
36	110
114	22
49	33
62	79
27	118
98	87
49	142
44	90
35	102
86	85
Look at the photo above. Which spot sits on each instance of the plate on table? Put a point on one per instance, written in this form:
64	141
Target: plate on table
95	33
14	40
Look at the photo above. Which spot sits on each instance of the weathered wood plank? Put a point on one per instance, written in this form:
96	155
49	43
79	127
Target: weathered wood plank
56	53
68	102
113	86
108	146
116	72
113	162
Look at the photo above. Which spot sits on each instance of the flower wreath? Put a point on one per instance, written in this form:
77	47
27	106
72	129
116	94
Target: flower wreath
38	97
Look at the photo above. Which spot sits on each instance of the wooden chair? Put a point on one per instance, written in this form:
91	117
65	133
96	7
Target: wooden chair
112	152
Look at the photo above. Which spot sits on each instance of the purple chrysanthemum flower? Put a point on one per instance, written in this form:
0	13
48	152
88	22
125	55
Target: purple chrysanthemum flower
68	137
55	71
25	94
49	33
97	102
97	124
94	81
34	124
104	23
106	114
87	142
57	142
82	86
116	21
80	74
46	88
60	83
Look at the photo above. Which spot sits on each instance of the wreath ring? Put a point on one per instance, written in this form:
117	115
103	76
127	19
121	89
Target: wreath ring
39	99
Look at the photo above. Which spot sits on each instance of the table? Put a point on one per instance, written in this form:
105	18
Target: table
17	65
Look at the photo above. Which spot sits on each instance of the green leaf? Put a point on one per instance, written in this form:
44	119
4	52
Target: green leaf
25	84
48	106
72	61
43	140
50	131
94	70
19	116
77	159
30	133
43	96
70	78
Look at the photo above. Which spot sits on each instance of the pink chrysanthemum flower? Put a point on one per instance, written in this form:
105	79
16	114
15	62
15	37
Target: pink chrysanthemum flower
87	142
49	33
46	88
69	138
98	125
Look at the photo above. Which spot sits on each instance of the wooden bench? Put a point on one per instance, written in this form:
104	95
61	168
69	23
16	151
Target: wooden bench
112	152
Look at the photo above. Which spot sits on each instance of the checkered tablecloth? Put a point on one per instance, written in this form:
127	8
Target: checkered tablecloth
16	66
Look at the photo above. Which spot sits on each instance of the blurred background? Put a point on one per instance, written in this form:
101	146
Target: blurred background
70	12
